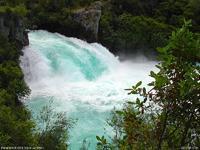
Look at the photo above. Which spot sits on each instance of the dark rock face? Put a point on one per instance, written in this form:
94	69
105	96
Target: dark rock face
82	23
12	28
89	18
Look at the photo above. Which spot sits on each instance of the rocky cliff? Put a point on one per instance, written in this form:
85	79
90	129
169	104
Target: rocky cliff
12	28
89	18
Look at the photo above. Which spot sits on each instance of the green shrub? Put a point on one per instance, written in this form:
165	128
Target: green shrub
128	32
54	127
167	116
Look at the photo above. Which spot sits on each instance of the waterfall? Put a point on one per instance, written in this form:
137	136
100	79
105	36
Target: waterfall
85	80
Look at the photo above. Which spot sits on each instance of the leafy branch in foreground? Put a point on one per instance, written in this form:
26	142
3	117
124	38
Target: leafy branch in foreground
54	128
167	116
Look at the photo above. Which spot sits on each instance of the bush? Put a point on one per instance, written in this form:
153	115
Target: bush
128	33
54	127
167	117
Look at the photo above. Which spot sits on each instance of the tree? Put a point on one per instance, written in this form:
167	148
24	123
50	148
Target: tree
53	131
167	116
16	127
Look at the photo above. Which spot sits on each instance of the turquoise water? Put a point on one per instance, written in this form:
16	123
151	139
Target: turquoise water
84	80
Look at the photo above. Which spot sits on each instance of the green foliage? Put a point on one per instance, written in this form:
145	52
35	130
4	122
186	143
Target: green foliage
192	10
189	51
128	25
144	30
53	132
125	25
135	7
8	51
168	11
16	128
13	2
132	32
11	76
20	10
12	79
103	144
167	116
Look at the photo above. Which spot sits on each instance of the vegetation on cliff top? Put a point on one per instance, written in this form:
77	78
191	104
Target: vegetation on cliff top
154	19
124	22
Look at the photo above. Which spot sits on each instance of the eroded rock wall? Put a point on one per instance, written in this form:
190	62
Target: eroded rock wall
12	27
